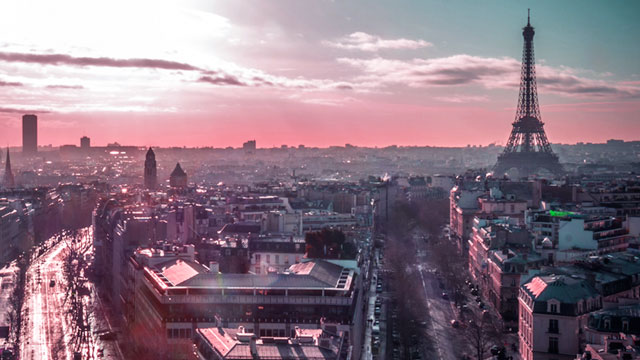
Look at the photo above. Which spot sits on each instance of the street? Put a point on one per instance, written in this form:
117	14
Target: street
44	332
47	330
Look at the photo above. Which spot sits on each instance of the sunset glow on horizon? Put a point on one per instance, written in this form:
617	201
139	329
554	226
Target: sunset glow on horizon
318	73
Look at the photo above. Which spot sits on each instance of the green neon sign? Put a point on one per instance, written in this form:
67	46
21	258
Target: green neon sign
561	213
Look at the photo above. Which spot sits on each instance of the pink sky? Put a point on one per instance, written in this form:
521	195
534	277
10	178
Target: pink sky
209	74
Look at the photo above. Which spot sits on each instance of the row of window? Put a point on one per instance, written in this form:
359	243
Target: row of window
258	259
179	333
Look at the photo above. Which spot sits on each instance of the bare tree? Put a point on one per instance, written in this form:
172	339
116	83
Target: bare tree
483	332
74	271
17	299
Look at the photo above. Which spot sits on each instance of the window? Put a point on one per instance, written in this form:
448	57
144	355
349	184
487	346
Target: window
257	258
553	326
277	259
553	345
257	270
625	325
553	308
268	259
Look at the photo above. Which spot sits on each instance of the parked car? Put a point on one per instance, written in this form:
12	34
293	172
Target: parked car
445	296
455	323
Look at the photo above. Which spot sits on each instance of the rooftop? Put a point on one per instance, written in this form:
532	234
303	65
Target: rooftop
236	344
565	289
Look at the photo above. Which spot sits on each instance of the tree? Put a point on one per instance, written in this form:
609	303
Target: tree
17	298
74	270
482	333
452	267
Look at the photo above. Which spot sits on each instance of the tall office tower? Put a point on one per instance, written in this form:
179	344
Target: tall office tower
29	134
528	150
7	180
85	143
150	171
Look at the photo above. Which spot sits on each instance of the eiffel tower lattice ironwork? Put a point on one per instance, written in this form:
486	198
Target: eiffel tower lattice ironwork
528	149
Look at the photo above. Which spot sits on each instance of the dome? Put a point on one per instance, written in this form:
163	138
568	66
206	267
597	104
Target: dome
547	243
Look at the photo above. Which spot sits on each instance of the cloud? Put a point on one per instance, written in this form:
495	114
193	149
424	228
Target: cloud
11	110
491	73
257	78
75	87
222	80
234	76
459	99
10	83
64	59
372	43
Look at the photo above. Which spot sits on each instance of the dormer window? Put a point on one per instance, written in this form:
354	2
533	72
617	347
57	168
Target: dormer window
625	325
553	307
607	323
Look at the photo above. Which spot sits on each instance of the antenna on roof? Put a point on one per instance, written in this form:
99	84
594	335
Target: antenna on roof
528	16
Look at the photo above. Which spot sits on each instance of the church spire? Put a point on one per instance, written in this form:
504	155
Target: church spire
8	180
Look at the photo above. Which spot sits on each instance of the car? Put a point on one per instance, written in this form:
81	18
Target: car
377	322
52	283
455	324
478	299
474	292
445	296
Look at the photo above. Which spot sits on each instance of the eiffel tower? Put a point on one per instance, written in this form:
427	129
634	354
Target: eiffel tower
528	150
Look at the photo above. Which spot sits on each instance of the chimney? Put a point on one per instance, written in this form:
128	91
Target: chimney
214	267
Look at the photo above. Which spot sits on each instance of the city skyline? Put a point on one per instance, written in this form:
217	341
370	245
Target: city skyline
217	74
